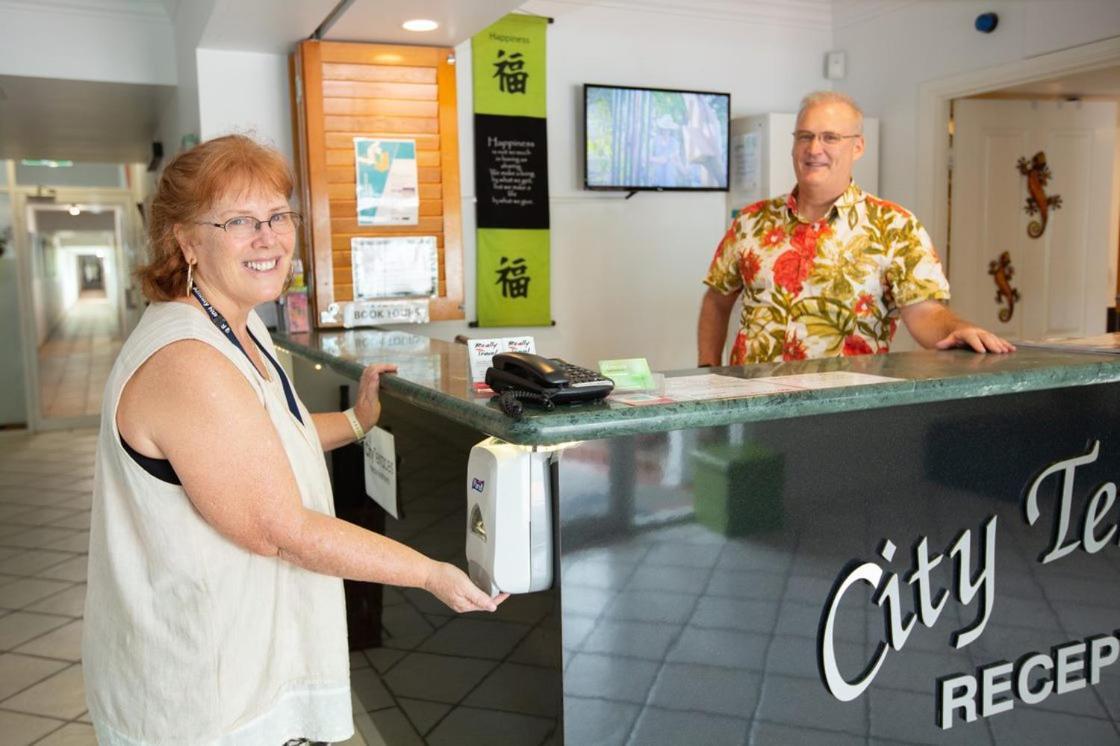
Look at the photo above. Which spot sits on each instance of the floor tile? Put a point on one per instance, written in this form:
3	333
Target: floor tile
609	677
394	728
26	591
64	643
469	726
20	626
382	659
661	727
17	672
435	677
423	715
73	569
598	721
721	691
71	734
19	729
517	688
38	516
70	602
33	561
475	638
60	696
78	519
370	690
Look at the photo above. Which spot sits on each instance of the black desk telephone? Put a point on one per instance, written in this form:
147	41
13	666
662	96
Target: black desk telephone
547	379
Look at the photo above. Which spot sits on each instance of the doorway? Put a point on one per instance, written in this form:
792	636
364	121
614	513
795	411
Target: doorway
934	101
1033	206
76	308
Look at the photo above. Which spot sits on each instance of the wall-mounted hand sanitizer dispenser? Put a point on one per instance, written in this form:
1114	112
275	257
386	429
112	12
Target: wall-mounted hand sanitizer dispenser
509	517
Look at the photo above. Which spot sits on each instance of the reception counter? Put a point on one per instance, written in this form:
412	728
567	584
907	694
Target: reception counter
931	559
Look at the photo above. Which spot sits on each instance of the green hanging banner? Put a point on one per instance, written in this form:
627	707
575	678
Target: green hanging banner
511	173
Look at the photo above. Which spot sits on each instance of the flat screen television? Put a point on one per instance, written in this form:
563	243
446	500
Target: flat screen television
655	138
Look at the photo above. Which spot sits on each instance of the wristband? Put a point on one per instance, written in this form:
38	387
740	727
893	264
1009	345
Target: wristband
359	432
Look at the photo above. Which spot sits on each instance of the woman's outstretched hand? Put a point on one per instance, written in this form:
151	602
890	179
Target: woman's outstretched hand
367	407
452	586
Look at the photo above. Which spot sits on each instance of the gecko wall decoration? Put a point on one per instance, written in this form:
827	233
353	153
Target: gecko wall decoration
1002	271
1038	203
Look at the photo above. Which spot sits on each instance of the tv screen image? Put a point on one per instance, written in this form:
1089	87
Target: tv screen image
647	138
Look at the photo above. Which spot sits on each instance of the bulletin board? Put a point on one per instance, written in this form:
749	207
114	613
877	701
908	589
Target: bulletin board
376	138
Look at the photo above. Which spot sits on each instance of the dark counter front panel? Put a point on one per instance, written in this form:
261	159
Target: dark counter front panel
698	567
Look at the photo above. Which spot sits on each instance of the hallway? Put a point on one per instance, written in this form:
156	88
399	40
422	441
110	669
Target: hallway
77	356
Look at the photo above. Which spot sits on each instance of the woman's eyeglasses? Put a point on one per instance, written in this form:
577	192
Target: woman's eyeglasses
246	226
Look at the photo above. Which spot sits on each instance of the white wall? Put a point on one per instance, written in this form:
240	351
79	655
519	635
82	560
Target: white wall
181	114
60	40
888	58
626	274
247	93
12	407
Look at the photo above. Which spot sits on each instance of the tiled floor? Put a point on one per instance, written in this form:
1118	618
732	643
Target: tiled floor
75	360
45	485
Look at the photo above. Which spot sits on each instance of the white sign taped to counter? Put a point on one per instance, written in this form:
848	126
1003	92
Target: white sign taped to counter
380	450
385	312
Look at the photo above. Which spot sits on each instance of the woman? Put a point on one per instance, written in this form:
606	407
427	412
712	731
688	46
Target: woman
215	612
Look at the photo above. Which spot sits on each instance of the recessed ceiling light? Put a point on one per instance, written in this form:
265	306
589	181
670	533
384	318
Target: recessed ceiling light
420	24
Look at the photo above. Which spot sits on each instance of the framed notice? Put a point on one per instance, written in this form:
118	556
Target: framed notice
394	267
385	181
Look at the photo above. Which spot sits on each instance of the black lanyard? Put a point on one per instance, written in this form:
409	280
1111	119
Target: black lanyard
224	328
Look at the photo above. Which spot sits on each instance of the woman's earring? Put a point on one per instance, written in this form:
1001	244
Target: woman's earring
190	278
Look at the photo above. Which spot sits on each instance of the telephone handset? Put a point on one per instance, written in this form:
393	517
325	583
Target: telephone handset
550	378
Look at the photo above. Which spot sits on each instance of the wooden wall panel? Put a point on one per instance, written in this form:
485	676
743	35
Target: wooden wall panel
369	90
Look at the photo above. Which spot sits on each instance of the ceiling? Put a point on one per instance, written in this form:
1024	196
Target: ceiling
1104	82
276	25
114	122
54	220
78	120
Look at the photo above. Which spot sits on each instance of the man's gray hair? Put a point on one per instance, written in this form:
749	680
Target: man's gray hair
832	97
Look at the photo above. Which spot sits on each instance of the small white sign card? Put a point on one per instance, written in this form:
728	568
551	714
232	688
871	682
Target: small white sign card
482	352
381	469
384	312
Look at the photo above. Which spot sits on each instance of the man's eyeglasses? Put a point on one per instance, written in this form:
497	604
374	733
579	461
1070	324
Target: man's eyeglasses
246	226
804	138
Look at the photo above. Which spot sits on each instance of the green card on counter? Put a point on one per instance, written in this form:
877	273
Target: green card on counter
629	374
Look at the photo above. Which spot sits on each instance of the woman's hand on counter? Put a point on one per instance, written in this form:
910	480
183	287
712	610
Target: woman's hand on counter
452	586
367	407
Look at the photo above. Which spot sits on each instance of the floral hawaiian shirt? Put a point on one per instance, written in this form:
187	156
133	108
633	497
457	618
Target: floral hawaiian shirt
827	288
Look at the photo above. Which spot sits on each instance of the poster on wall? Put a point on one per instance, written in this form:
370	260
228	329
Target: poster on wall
394	266
385	181
511	173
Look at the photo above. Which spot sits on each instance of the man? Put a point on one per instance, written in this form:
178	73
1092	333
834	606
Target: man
828	269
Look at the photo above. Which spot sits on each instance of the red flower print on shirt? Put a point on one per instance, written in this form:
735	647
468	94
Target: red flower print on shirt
856	345
793	349
749	266
774	237
739	349
751	209
887	205
806	236
863	304
791	269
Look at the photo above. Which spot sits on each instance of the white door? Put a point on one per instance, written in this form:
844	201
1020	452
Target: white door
1062	276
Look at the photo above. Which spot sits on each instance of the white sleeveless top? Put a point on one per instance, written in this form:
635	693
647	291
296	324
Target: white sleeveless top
188	638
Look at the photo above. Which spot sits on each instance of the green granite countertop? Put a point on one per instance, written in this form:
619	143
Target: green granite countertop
434	376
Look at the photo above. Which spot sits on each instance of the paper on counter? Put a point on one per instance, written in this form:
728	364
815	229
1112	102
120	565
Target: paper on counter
711	386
